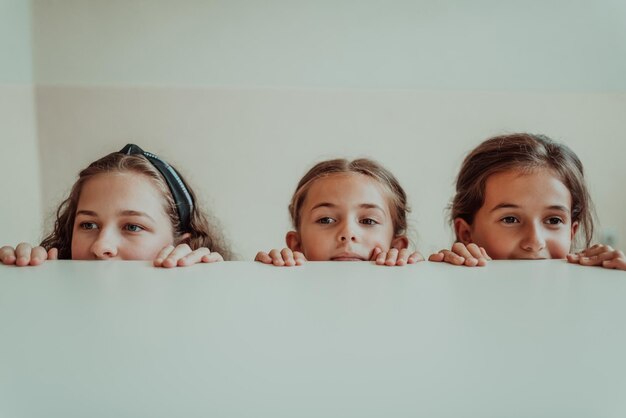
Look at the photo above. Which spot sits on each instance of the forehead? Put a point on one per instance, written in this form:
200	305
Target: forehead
541	186
346	189
128	189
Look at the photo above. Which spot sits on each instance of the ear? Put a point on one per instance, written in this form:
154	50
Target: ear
400	242
574	230
184	239
293	241
463	231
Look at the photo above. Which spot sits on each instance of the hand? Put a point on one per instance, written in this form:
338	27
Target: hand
462	255
285	257
395	257
25	255
599	255
183	255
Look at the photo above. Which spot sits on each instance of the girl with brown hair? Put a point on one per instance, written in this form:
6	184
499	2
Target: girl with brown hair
346	211
128	205
523	196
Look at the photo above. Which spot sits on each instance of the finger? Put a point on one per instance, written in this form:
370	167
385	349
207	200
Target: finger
162	255
609	255
437	257
453	258
392	257
212	258
477	254
462	250
375	253
595	246
37	256
415	258
598	259
595	250
179	252
474	250
263	257
618	262
287	255
7	255
403	257
573	258
22	254
381	258
53	254
277	258
299	258
485	255
194	257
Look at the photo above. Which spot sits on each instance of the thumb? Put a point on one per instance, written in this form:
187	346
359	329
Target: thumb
53	254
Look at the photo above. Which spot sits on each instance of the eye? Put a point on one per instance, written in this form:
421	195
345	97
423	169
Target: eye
554	221
88	226
326	220
369	221
133	228
509	220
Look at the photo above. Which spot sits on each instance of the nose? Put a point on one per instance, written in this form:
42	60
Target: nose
534	240
347	233
105	246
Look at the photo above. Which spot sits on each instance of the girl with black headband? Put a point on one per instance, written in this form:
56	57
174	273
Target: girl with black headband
128	205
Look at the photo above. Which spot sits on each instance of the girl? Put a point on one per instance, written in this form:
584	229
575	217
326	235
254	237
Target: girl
346	211
523	196
128	205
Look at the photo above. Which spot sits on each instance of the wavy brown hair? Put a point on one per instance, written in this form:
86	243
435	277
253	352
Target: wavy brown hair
203	232
367	167
528	152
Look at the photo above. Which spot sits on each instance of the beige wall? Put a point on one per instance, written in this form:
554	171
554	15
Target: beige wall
243	98
20	212
20	204
245	150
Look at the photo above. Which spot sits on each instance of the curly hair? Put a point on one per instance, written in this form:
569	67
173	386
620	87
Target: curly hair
203	233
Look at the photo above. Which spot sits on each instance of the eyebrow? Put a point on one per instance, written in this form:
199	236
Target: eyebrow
362	206
87	213
120	213
560	208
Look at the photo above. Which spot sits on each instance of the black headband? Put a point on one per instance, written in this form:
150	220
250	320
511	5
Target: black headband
182	197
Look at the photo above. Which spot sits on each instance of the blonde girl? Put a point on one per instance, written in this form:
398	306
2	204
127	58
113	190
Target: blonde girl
128	205
346	211
523	196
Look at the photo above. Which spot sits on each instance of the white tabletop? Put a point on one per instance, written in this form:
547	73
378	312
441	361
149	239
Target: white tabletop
240	339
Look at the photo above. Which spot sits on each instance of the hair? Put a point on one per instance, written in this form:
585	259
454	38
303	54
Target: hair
202	232
527	152
398	200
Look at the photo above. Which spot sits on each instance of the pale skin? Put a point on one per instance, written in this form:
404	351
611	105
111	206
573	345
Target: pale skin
525	215
120	216
344	217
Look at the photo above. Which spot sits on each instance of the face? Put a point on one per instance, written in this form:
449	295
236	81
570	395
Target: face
524	216
120	216
344	217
